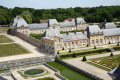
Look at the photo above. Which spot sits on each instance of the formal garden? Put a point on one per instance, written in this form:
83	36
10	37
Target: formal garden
12	49
34	72
110	62
4	39
83	52
46	78
67	72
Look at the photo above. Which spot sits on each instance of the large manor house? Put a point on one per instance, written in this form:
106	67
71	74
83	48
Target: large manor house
90	35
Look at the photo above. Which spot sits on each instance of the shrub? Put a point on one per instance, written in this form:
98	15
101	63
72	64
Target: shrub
84	58
109	42
74	55
100	51
63	48
94	47
111	54
58	52
69	50
117	44
87	45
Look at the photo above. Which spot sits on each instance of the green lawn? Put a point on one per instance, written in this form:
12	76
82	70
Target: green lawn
46	78
108	61
11	49
37	36
4	39
68	73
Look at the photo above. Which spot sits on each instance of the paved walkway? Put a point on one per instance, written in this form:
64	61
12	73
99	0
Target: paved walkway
34	51
51	73
89	68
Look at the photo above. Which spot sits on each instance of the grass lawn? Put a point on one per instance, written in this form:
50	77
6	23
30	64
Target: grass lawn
108	61
83	52
101	67
46	78
67	72
37	36
4	39
11	49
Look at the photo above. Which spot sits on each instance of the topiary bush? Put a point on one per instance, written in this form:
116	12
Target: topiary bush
74	55
58	52
87	45
109	42
84	58
111	54
69	50
117	44
63	48
94	47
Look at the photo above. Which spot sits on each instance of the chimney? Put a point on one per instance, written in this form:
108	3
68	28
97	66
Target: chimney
83	31
67	33
48	23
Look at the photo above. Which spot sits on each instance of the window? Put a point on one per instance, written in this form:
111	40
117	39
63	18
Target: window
101	41
96	41
92	41
80	43
59	40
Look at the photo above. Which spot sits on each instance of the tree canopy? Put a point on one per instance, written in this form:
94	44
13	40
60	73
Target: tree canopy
92	14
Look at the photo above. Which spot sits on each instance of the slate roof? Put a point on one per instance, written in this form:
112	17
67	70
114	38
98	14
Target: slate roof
111	32
115	72
80	20
18	22
52	21
67	24
94	29
73	36
110	25
38	26
50	33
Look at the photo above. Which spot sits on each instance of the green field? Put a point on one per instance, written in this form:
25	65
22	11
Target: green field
37	36
11	49
4	39
68	73
108	61
46	78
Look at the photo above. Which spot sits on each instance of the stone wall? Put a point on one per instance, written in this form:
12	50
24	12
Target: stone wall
24	62
77	69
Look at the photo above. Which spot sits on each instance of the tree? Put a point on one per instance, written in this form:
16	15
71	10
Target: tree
111	54
69	50
84	58
2	20
94	47
87	45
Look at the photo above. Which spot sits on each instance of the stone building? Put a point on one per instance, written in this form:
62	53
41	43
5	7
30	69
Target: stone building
21	25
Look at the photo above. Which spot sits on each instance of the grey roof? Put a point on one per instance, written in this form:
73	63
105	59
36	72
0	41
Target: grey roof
67	24
115	72
18	22
73	36
110	25
53	21
80	20
111	32
38	26
51	33
94	29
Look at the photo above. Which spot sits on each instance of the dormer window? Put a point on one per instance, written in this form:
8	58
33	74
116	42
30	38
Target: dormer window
22	26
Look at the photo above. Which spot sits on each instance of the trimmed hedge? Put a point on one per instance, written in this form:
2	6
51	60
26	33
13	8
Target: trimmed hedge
116	48
85	53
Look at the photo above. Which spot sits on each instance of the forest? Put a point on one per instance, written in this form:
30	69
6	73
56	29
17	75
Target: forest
90	14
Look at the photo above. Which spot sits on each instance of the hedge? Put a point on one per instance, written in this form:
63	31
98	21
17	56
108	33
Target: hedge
84	53
116	48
